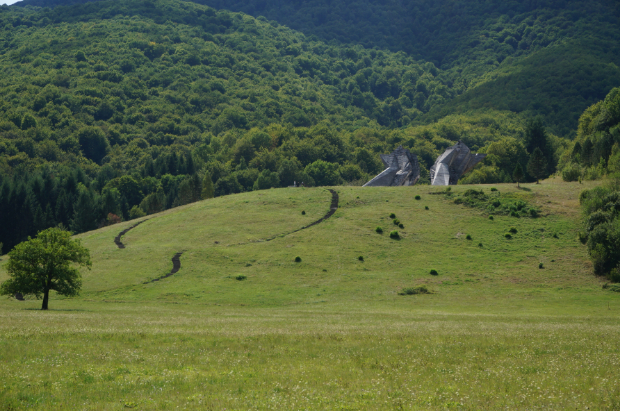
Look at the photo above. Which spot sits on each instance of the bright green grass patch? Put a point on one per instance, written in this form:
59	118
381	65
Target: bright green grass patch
328	332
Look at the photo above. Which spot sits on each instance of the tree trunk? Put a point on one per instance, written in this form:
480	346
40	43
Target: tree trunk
46	297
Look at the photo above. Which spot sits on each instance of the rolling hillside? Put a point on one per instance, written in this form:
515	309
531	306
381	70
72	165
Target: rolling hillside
226	237
241	325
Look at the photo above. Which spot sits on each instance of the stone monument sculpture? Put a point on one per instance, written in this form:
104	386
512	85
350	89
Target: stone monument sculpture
453	163
402	169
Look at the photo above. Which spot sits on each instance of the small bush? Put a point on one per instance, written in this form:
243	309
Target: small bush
426	207
496	203
396	221
458	200
571	172
303	212
298	259
418	197
493	189
468	237
555	235
533	212
540	265
612	287
361	258
414	290
240	277
508	236
513	230
394	235
434	272
480	245
379	230
392	215
490	217
514	214
401	226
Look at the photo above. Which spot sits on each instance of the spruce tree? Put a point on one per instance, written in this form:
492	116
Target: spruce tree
537	166
207	187
517	174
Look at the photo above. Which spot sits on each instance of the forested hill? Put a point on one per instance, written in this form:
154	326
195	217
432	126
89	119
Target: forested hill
552	58
110	110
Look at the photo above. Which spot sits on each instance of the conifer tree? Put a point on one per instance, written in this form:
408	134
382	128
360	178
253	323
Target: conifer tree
207	187
517	174
537	166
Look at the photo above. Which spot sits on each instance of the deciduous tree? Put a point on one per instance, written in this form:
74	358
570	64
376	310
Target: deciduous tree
47	262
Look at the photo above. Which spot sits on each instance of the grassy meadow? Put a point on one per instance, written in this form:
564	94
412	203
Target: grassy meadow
244	326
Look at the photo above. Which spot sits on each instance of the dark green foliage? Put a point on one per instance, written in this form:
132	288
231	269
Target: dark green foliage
361	258
480	245
396	221
401	226
596	149
94	143
541	266
418	197
506	204
303	213
493	189
517	174
426	207
392	215
468	237
512	230
379	230
537	166
508	236
298	259
394	235
414	290
612	287
241	277
434	272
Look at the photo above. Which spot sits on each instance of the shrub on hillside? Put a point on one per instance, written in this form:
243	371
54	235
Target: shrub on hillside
379	230
414	290
392	215
394	235
434	272
240	277
298	259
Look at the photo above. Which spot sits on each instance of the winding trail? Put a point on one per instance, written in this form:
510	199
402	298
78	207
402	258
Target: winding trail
176	266
332	209
176	259
117	239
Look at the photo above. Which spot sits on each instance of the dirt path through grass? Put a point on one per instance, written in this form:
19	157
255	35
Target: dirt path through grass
332	209
117	239
176	266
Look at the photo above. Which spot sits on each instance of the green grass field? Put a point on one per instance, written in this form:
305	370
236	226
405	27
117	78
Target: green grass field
331	331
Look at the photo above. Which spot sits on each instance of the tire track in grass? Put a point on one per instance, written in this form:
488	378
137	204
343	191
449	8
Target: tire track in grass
117	239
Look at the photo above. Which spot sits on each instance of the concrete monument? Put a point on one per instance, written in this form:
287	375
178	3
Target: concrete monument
453	163
402	170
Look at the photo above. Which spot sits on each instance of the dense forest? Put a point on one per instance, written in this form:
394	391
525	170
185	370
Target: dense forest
110	111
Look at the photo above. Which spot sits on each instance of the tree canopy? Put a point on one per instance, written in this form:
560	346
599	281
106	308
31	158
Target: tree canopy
45	263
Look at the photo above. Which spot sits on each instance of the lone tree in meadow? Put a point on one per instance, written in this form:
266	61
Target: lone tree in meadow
537	166
45	263
517	174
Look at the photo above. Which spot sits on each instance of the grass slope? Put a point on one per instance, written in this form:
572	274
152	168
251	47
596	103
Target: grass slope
329	332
